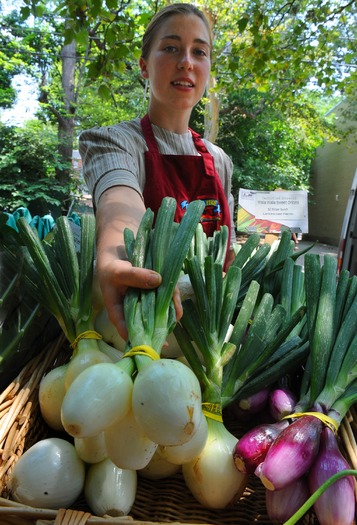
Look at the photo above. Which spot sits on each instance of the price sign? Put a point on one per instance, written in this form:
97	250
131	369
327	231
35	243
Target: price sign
272	211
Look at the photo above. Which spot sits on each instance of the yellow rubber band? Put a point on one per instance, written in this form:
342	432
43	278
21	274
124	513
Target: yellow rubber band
143	350
88	334
327	420
213	411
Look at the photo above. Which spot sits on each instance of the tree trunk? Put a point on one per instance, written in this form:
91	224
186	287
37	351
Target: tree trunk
212	112
65	118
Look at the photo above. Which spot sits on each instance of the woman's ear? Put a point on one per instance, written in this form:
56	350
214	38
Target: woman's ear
143	68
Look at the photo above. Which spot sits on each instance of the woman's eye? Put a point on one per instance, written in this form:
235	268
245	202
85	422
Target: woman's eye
170	49
200	52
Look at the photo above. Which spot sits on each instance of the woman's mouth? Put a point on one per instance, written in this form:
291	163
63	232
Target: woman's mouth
183	83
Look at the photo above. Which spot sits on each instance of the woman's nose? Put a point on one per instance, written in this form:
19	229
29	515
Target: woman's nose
185	61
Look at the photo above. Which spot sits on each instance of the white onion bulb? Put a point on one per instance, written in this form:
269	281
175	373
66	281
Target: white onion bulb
184	453
48	475
158	467
85	357
212	476
91	449
51	393
127	445
110	490
167	402
96	399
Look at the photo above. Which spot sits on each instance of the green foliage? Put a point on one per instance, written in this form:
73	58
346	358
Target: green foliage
282	48
124	100
10	64
266	55
107	34
7	92
28	159
269	149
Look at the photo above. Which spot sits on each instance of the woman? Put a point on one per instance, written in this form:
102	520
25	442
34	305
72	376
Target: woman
133	165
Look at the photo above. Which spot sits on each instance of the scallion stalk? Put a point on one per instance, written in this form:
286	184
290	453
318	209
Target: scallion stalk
60	278
149	314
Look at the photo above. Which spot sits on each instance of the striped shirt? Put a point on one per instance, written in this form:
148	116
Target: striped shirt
114	155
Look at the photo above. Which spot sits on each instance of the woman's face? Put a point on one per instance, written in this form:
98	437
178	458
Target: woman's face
178	64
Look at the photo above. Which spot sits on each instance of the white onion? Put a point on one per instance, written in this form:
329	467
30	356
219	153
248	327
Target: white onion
85	357
96	399
212	476
110	490
167	402
48	475
91	449
127	445
184	453
158	467
51	393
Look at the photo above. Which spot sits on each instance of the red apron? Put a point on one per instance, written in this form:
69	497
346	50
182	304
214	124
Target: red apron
185	178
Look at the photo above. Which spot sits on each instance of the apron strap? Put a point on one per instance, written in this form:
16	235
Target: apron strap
207	157
149	134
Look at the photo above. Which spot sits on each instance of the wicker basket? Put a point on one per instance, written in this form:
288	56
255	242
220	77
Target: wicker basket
157	502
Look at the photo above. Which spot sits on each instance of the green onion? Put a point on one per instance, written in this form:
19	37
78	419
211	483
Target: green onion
150	314
329	383
331	313
62	280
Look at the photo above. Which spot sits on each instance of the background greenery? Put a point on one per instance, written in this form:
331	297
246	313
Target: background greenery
278	67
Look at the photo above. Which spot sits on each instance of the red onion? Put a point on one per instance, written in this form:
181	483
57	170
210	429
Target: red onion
292	453
253	446
281	403
335	506
282	504
244	408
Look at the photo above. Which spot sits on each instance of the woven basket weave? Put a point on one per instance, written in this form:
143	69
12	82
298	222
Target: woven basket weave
157	502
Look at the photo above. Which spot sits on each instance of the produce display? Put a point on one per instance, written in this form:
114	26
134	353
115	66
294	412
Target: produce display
268	341
308	447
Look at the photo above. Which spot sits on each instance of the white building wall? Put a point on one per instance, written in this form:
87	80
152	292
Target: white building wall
332	174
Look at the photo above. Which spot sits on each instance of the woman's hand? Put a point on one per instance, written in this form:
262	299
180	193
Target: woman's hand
119	208
114	280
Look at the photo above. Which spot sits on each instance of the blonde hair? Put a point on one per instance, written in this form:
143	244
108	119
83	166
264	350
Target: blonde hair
161	16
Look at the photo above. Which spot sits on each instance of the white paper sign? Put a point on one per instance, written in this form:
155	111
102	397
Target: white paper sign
272	211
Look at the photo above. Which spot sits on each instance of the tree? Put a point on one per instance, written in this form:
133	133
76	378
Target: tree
277	48
272	48
270	149
69	46
11	63
282	47
29	158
